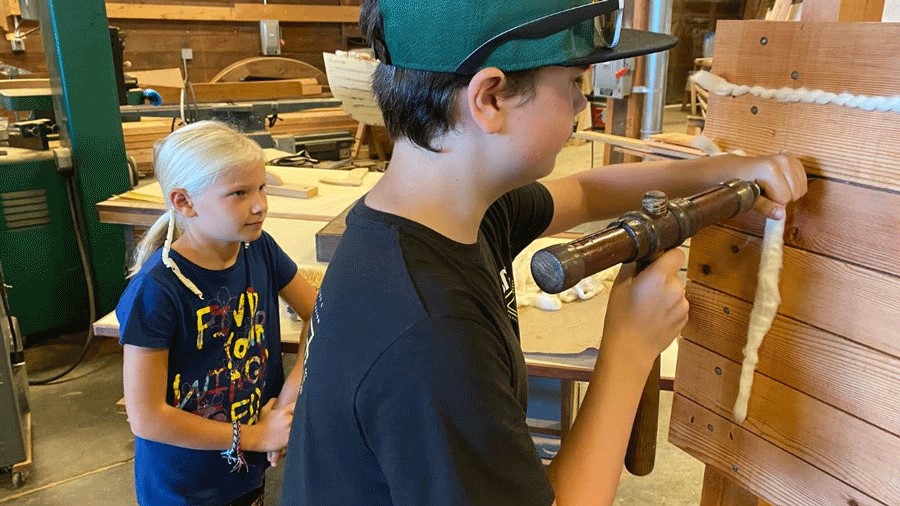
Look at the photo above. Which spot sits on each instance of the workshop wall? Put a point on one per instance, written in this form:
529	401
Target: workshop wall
155	44
691	20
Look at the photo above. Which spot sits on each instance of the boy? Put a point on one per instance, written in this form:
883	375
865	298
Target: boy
416	385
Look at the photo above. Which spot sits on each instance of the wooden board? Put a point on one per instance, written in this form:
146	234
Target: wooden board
850	377
856	58
836	296
324	207
719	490
756	464
237	12
850	144
241	91
857	453
840	220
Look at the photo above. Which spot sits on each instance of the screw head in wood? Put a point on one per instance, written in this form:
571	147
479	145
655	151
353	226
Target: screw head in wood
763	41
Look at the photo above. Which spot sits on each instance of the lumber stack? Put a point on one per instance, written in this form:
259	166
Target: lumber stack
823	424
141	136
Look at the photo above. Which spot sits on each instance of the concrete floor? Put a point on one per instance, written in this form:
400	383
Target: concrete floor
84	451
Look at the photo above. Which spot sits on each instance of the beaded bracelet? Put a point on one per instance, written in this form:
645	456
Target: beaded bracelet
234	455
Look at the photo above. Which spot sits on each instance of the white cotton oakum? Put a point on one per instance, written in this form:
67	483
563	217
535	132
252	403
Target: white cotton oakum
765	306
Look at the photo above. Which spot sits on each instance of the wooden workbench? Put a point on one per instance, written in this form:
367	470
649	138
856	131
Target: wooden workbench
330	201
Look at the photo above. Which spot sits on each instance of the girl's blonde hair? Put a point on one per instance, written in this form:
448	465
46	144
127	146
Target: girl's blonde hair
191	158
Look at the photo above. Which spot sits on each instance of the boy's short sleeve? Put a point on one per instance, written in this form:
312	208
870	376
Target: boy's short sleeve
147	314
441	417
528	212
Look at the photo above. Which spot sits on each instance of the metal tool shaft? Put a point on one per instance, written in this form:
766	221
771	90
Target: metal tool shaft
638	236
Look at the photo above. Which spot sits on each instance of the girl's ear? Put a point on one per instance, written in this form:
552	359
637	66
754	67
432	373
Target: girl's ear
486	107
181	203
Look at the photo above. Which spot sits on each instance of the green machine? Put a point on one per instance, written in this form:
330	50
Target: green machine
50	232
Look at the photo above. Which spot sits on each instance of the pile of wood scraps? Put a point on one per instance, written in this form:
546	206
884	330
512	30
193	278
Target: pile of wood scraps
667	146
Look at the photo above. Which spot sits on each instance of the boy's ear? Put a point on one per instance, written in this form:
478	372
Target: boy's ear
181	202
486	106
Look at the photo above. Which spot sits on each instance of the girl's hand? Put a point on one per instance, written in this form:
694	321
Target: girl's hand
270	433
275	457
646	312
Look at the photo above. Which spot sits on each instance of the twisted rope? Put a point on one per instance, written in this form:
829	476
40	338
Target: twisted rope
719	86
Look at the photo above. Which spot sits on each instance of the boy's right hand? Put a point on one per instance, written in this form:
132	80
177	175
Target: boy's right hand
646	311
271	432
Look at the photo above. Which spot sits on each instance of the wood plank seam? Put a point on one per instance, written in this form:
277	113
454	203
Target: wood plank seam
781	479
842	366
860	456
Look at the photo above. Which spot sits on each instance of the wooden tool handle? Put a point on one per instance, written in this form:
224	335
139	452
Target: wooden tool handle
641	454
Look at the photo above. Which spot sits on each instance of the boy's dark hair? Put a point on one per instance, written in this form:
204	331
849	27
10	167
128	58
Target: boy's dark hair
421	105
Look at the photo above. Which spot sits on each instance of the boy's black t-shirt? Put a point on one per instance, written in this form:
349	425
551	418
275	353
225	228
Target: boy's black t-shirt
416	387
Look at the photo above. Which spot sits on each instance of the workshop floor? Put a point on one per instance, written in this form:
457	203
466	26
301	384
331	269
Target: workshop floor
83	450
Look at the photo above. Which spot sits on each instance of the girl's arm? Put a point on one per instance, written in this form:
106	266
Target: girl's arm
145	377
301	296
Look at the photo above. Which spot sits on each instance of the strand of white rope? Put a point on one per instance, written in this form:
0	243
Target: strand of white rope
719	86
767	300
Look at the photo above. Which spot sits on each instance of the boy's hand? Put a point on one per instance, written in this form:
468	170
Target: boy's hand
647	311
270	433
782	179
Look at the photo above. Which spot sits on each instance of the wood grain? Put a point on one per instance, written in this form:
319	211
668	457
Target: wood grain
853	378
759	466
848	144
859	454
825	56
840	220
845	299
720	490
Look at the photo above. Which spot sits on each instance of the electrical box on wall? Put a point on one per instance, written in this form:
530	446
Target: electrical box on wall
613	78
270	36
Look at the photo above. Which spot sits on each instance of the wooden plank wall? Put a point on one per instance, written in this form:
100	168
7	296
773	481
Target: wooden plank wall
154	44
823	425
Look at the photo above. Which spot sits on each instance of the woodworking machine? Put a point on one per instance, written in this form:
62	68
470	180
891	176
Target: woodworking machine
41	188
641	236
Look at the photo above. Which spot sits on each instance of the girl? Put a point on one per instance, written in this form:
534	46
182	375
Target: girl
200	328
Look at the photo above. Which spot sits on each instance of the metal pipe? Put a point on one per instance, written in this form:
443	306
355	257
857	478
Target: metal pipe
657	68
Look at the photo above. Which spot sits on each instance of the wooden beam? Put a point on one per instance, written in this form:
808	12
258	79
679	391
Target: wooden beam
842	10
868	221
841	298
720	490
850	144
754	463
860	454
823	55
854	378
242	12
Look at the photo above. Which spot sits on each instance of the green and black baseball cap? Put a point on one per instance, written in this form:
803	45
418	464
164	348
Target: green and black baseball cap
464	36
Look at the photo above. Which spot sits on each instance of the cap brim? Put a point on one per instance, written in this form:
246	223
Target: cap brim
631	43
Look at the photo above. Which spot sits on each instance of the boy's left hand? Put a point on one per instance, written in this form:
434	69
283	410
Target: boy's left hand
782	179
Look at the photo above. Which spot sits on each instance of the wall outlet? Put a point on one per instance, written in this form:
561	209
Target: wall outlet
187	54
